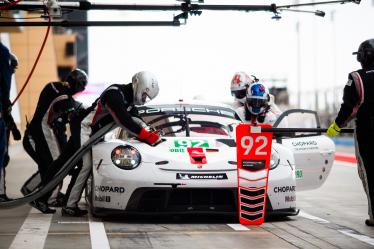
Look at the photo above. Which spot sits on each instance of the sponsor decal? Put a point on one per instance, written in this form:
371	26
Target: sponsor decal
284	189
185	176
299	174
177	150
207	110
291	198
193	143
110	189
253	164
102	198
305	145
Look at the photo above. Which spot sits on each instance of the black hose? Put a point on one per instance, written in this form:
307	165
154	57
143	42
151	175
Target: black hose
60	175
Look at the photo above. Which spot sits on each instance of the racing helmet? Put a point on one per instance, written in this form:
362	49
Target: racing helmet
365	53
77	80
239	85
145	87
257	98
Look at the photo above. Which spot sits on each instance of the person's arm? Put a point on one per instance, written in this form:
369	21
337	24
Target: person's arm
117	107
5	79
59	113
350	101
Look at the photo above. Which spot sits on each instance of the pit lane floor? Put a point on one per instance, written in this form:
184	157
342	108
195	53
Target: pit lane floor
331	217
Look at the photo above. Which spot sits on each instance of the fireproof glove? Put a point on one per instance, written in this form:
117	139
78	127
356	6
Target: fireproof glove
333	130
148	137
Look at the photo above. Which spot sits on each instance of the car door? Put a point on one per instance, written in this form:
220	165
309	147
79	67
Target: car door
313	152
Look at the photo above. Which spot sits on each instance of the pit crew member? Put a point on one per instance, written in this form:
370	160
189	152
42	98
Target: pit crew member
358	104
45	134
116	103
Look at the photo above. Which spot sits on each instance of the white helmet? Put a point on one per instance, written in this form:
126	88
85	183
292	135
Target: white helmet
145	87
239	85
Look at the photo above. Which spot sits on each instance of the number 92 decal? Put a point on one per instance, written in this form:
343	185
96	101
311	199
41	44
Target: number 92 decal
247	143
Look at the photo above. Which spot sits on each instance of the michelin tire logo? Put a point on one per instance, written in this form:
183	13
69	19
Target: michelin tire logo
183	176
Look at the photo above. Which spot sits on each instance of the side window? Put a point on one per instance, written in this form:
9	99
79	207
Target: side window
298	118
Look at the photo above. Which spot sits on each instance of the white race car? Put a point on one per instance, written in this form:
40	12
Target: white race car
193	169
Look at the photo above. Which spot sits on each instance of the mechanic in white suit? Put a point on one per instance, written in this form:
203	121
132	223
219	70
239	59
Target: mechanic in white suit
116	103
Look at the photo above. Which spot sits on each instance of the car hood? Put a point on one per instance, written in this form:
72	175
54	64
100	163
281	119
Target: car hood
188	153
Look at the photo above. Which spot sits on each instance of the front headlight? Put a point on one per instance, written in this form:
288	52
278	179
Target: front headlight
274	159
126	157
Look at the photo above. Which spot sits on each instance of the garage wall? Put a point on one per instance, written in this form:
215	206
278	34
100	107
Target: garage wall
26	46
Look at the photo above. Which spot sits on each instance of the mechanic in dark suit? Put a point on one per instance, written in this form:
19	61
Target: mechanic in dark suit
45	134
8	64
358	103
116	103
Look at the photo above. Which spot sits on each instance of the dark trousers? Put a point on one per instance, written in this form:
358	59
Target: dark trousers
365	156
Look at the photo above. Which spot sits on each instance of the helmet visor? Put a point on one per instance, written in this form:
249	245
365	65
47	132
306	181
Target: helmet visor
256	103
145	98
239	94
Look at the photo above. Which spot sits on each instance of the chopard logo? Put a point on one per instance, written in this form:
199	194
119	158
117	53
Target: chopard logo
110	189
284	189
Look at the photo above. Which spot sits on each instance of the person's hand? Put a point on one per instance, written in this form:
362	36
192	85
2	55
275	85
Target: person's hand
16	133
13	62
333	130
150	138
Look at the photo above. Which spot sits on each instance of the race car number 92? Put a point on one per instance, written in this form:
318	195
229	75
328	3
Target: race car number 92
247	143
197	143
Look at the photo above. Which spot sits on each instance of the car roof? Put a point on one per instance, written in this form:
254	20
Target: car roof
186	103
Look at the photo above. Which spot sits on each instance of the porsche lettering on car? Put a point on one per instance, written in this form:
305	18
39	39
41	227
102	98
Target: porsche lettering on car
193	169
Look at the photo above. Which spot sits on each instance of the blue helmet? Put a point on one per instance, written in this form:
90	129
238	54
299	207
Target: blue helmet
257	98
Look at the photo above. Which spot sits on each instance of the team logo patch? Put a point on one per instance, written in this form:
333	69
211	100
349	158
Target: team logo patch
349	83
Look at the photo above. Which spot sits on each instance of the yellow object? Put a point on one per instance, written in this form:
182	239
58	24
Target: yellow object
333	130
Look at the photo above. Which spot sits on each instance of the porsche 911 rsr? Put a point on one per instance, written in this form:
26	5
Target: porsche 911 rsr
193	169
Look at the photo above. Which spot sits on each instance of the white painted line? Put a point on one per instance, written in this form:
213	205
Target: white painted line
358	236
312	217
33	232
99	240
72	222
238	227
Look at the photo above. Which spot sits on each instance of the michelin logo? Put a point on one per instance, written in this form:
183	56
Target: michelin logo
182	176
110	189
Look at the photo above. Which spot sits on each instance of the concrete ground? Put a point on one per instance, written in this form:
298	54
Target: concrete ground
331	217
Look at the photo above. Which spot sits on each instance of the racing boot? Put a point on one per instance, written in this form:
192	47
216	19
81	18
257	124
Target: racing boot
59	201
73	211
369	223
42	207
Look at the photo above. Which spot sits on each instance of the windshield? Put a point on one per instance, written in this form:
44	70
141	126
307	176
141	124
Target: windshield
190	120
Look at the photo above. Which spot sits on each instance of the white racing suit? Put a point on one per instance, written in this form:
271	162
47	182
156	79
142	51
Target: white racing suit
115	103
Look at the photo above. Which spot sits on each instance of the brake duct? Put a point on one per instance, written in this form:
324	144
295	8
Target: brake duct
60	175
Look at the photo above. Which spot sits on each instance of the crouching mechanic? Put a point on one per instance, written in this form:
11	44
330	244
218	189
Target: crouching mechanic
116	103
358	104
45	134
257	107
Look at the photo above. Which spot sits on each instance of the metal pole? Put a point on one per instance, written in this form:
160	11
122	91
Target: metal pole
311	130
91	23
